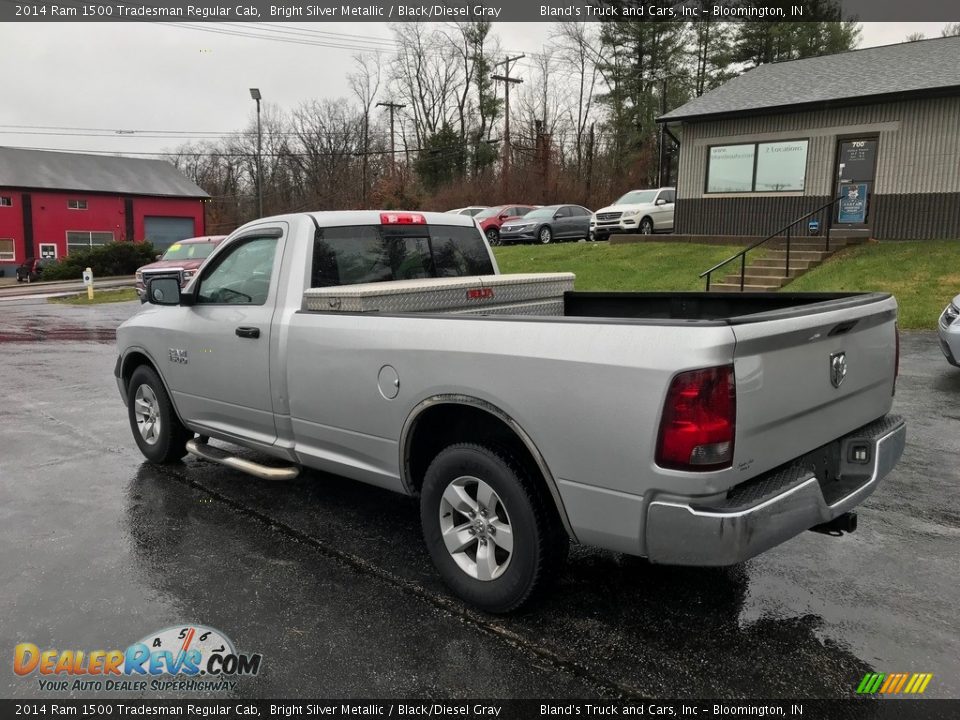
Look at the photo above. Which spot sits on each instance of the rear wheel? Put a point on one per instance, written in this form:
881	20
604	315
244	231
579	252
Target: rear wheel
489	530
493	236
545	235
159	434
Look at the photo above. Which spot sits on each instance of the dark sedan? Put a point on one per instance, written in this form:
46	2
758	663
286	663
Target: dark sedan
546	224
30	270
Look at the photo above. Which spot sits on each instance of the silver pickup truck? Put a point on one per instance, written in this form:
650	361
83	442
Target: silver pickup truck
688	428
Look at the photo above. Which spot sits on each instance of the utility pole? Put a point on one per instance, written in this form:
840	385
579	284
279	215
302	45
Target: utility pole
392	106
663	111
255	95
507	82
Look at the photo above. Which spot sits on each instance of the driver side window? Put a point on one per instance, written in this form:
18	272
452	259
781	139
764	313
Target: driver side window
241	276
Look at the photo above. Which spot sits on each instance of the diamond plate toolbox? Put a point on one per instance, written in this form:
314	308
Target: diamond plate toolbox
520	294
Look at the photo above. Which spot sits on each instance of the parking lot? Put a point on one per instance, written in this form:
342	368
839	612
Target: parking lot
330	581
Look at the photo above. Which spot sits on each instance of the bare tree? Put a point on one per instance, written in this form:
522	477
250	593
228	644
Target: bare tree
426	73
579	53
365	83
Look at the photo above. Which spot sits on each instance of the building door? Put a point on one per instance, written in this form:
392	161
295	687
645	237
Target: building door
165	231
856	167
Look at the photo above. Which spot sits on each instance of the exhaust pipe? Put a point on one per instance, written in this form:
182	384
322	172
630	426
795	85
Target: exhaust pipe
845	523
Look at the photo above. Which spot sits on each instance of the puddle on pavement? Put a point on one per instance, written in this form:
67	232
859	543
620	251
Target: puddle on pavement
59	334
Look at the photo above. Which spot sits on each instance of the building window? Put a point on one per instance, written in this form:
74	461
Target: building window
757	167
6	249
781	166
6	202
77	204
83	240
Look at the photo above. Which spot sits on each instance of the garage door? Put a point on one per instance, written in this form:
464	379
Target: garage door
165	231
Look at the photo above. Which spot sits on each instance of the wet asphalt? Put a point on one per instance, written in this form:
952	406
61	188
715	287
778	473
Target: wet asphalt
330	581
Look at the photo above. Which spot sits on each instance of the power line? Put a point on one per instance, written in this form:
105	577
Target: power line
231	154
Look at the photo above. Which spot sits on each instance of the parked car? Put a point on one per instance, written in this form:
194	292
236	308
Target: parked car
492	218
639	211
386	348
30	270
546	224
182	259
949	331
471	211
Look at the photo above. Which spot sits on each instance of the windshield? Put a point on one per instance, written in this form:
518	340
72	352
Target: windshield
489	213
546	212
189	251
637	197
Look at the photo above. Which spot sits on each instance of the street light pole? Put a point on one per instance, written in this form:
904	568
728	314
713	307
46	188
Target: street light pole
255	94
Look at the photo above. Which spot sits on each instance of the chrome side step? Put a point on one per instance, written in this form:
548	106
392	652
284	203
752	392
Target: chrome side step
200	449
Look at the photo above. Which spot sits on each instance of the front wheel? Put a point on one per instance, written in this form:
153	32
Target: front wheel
493	236
489	530
545	235
646	226
159	434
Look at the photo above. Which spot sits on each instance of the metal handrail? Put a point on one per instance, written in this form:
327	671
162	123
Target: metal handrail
786	229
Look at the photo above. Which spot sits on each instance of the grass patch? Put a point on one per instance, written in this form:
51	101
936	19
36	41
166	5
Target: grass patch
99	297
599	266
922	274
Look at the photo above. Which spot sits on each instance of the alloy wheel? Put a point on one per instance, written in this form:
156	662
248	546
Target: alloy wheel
147	413
476	528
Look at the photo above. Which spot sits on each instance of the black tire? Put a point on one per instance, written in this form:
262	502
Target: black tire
646	226
540	544
544	235
493	236
19	278
29	278
171	438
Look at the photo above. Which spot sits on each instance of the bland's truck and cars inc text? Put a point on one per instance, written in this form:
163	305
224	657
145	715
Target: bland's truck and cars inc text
686	428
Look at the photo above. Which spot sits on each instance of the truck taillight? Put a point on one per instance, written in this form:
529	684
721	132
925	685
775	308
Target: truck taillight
699	420
388	218
896	366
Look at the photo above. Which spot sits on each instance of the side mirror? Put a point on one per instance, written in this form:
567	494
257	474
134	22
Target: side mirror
504	216
556	216
159	256
163	291
660	201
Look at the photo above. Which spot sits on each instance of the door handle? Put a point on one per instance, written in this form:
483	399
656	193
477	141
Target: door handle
248	332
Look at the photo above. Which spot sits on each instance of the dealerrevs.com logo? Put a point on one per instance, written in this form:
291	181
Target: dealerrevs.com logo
186	657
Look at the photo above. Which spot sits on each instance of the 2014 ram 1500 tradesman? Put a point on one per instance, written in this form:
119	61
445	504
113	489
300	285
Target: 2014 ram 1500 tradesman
689	428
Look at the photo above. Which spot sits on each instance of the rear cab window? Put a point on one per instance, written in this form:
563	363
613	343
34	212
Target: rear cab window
355	254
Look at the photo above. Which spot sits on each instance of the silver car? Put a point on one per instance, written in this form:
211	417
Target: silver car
949	331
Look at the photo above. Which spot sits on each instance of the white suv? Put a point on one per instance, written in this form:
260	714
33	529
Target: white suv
642	211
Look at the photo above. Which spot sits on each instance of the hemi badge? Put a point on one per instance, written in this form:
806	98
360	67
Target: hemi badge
479	293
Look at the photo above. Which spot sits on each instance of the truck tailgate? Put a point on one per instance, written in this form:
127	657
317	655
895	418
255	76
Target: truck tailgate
807	377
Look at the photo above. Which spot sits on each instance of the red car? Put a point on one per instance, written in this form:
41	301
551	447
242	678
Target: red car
492	218
183	258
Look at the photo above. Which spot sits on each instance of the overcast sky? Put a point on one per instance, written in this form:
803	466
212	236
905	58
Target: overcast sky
153	76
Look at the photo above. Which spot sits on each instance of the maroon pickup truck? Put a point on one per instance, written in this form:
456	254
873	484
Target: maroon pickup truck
182	259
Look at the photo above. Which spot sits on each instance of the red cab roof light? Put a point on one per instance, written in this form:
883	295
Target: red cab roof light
402	218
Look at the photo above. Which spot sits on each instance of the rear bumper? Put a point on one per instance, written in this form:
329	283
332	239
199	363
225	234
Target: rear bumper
773	508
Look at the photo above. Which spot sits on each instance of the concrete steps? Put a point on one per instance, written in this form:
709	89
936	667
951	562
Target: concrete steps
765	265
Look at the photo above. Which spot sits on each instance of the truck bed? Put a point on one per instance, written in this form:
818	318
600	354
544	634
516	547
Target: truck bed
730	308
551	296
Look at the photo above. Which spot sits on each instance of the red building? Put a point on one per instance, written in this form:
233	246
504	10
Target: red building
52	203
